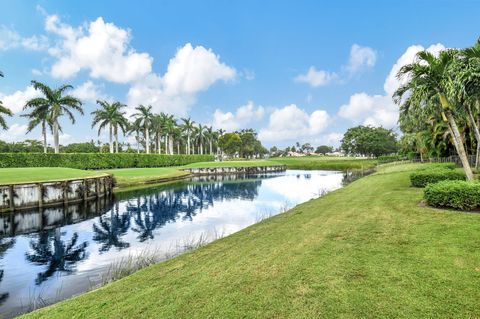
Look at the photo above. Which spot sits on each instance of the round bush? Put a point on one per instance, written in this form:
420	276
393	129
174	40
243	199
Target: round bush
423	177
461	195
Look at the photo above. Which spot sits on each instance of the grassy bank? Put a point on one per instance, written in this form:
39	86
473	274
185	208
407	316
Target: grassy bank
367	250
137	176
325	162
42	174
246	163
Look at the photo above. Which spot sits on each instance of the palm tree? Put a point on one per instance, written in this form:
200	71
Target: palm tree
169	126
187	128
427	81
58	105
200	137
145	117
6	111
210	134
110	115
38	116
136	127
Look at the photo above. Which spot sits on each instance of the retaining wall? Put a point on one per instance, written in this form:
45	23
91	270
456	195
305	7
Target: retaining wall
47	194
237	170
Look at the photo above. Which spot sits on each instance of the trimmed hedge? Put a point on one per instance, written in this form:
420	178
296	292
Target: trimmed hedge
430	166
98	160
421	178
461	195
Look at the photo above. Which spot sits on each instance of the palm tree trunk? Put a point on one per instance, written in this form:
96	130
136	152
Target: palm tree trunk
138	143
458	141
170	144
111	139
147	141
188	143
44	134
56	141
116	139
159	143
211	148
166	144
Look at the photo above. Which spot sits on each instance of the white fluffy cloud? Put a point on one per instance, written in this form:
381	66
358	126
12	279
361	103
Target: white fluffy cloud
244	115
11	39
16	132
88	92
16	101
379	110
360	59
291	122
190	71
316	78
101	48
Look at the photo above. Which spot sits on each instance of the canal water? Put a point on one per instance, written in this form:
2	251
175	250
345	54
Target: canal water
55	253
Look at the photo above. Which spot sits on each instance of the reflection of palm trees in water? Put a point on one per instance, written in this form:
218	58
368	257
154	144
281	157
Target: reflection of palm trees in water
151	212
111	229
5	244
57	254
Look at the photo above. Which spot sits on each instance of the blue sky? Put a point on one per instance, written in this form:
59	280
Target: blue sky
293	70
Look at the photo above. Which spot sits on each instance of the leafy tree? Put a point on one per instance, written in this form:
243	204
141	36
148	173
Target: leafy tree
369	141
88	147
38	116
324	149
230	143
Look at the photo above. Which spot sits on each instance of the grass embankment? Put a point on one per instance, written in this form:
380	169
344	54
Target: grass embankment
127	177
42	174
325	162
367	250
245	163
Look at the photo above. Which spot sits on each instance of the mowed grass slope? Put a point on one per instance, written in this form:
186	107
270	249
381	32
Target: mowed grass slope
244	163
42	174
367	250
325	162
135	176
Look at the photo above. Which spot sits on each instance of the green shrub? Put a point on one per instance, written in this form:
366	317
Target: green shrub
97	160
429	166
423	177
453	194
389	158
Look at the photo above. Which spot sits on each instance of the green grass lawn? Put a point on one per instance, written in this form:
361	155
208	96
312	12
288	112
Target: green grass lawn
42	174
133	176
245	163
325	162
367	250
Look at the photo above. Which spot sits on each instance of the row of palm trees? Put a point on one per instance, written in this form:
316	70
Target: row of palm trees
160	133
440	103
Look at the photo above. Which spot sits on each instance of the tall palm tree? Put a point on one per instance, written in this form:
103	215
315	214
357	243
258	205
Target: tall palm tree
169	127
427	81
38	116
58	105
145	117
136	127
187	127
110	115
210	134
200	137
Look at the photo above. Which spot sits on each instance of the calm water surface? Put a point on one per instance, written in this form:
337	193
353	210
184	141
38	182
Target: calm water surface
58	252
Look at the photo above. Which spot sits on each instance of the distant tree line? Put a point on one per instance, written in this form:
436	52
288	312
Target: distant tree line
153	133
